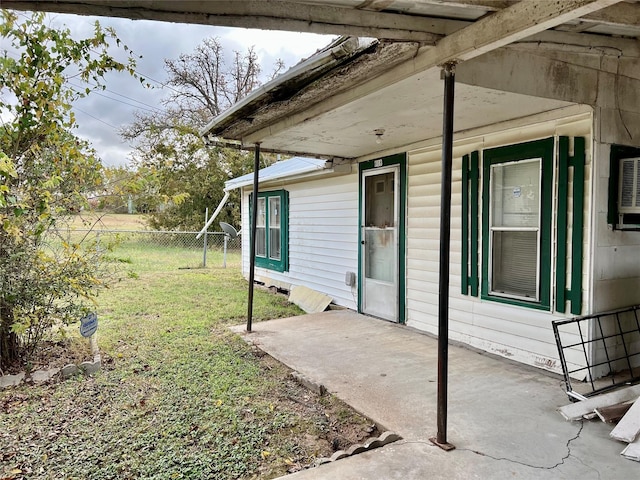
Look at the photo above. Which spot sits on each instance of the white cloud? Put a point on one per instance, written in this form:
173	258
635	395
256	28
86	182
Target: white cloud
100	116
278	43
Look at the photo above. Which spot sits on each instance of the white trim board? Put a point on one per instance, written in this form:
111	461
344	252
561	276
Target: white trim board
575	411
629	426
632	451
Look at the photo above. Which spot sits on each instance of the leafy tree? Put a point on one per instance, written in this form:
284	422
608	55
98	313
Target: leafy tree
191	176
46	173
122	185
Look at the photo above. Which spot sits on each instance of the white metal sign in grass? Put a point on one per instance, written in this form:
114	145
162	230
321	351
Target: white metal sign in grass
89	324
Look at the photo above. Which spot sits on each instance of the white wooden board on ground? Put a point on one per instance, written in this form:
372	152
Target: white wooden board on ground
632	451
575	411
629	426
309	300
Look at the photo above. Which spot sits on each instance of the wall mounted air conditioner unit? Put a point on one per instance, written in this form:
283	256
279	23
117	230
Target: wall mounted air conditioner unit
629	194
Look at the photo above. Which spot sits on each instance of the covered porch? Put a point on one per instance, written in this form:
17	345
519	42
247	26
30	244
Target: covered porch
503	418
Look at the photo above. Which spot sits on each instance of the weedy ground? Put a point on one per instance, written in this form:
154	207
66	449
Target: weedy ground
179	395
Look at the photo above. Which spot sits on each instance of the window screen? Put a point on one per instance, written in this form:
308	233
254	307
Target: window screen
274	228
261	223
515	228
515	263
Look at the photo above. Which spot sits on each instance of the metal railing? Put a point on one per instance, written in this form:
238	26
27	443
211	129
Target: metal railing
601	350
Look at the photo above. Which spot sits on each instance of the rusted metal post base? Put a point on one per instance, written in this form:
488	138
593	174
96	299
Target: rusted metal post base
447	447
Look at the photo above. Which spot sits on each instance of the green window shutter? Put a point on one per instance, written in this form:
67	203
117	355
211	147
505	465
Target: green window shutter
561	224
470	187
577	233
464	265
475	190
565	162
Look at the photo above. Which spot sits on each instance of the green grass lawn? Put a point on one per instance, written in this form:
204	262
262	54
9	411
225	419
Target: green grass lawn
179	395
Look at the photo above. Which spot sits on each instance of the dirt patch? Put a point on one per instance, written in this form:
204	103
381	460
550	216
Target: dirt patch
51	354
336	426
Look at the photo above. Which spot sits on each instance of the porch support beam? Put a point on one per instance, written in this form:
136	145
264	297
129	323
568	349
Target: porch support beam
445	250
272	15
509	25
621	14
576	75
252	240
250	148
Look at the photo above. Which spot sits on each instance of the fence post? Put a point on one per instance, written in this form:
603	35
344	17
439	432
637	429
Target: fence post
224	258
204	252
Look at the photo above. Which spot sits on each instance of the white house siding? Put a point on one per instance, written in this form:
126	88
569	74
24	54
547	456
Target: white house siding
520	333
616	263
616	281
323	236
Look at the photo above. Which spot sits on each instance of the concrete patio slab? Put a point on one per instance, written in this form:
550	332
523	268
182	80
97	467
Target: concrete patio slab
502	416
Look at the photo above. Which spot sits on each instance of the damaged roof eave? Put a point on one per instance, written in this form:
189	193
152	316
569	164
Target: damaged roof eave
265	113
339	51
290	123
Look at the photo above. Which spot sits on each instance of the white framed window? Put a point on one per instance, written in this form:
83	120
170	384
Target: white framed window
272	230
515	229
517	186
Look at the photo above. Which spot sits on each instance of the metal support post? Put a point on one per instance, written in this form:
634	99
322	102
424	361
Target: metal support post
445	236
252	242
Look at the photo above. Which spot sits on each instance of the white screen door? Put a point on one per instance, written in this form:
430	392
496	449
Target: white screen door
379	242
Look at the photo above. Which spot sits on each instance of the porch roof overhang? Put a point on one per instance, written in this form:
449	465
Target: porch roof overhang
509	54
286	169
533	64
340	114
424	21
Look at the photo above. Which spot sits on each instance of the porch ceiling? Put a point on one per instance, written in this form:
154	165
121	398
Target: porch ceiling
409	111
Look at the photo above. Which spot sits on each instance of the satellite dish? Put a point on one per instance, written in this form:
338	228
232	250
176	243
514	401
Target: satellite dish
228	230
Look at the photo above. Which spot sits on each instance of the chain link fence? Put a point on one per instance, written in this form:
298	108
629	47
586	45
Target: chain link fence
214	246
158	238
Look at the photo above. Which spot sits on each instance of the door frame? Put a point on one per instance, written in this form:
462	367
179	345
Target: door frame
400	160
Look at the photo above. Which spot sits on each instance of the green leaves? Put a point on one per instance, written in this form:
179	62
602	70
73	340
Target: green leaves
7	168
46	173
